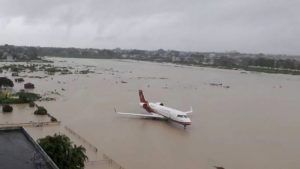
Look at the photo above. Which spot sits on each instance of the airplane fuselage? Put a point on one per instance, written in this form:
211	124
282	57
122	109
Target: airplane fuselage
159	111
167	112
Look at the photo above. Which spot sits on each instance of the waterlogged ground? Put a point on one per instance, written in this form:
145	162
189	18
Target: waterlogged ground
249	121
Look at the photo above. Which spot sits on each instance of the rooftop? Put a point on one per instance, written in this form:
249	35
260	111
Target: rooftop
19	151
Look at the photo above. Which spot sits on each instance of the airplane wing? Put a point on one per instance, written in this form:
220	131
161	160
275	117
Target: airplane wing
190	111
152	115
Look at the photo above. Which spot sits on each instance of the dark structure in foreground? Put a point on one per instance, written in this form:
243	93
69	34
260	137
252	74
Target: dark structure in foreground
19	151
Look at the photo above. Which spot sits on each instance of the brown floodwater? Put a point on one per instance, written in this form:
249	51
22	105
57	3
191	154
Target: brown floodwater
253	124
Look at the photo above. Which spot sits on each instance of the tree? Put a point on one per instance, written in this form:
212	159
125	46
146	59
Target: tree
225	61
6	82
63	152
264	62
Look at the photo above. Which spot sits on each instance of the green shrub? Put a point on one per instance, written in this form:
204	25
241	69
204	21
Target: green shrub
53	119
27	97
31	104
40	111
7	108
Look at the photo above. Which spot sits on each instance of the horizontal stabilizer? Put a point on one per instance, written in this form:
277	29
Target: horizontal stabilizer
190	111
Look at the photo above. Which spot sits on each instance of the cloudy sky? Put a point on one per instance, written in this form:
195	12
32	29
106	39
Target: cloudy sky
269	26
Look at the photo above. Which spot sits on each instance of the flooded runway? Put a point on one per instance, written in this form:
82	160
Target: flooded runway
253	123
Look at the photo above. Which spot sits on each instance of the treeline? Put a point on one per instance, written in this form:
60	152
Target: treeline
18	53
264	62
77	53
226	60
229	60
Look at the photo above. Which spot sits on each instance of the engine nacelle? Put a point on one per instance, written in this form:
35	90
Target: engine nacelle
160	103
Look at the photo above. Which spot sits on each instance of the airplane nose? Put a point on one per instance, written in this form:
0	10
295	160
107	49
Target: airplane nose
189	121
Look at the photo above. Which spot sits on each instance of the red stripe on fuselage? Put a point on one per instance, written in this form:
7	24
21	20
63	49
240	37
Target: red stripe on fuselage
148	108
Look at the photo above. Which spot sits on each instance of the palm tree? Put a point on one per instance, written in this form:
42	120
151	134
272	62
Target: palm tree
63	152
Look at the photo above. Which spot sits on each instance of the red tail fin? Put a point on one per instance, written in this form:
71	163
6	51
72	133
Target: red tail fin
142	99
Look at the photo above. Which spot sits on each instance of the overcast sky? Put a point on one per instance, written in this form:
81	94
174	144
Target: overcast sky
269	26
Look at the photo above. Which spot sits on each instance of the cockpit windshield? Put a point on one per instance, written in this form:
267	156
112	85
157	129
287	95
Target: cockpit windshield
182	116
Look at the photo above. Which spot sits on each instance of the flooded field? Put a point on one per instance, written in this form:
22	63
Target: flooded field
241	120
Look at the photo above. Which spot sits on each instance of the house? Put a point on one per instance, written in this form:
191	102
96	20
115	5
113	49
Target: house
10	58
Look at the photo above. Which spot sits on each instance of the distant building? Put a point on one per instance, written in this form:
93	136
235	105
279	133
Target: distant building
19	151
176	59
9	58
212	55
124	56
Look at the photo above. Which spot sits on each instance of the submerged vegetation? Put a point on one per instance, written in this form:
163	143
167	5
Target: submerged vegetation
18	70
18	98
7	108
6	82
28	97
9	96
31	104
19	80
41	111
53	119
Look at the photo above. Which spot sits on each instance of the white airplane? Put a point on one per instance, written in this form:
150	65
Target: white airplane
159	111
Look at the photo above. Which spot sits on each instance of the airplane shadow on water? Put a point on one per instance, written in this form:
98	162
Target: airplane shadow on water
161	122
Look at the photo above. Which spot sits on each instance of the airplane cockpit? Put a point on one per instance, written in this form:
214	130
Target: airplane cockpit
182	116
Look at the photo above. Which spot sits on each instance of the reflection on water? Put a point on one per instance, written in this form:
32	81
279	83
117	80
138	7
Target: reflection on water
252	124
